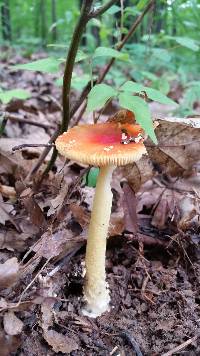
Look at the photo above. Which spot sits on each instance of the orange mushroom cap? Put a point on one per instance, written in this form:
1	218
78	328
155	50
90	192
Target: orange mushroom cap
102	144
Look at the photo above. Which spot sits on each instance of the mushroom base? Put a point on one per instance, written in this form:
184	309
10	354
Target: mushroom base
96	292
94	309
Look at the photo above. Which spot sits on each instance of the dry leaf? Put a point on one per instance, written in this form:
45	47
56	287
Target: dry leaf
9	273
13	240
116	226
47	313
53	244
59	342
80	214
8	344
138	173
161	214
179	145
8	192
12	324
129	203
35	212
57	203
190	212
10	160
5	209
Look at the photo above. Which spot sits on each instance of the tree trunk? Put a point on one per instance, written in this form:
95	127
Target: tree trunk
43	22
54	19
5	19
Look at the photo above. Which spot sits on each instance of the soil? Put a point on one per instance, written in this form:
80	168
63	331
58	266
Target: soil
153	275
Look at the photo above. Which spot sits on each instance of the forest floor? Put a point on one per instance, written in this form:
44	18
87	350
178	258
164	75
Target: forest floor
153	257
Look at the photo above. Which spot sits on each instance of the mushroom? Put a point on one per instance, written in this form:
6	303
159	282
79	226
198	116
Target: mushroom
106	145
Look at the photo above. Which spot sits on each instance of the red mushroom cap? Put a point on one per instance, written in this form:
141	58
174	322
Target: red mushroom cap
104	144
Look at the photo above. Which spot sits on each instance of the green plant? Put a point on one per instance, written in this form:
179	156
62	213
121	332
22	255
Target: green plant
7	95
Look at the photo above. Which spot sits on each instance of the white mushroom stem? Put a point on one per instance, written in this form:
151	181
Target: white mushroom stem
95	291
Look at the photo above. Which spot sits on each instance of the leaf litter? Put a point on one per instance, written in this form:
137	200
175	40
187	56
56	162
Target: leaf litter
153	258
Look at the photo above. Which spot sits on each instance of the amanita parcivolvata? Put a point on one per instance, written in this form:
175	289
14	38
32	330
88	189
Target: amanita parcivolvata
106	146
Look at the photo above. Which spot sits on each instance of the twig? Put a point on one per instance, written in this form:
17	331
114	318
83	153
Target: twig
102	9
25	145
76	121
181	346
132	342
16	117
43	155
33	280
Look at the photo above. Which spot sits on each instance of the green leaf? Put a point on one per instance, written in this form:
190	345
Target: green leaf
99	95
156	95
79	82
132	87
110	52
46	65
149	75
152	94
141	111
7	95
90	179
141	4
113	10
81	56
186	42
163	85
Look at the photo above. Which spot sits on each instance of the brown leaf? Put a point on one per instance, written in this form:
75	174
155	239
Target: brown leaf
171	154
9	344
7	192
9	161
12	324
35	212
116	226
47	313
60	342
129	204
138	173
80	215
190	212
9	273
160	214
13	240
57	203
54	244
5	209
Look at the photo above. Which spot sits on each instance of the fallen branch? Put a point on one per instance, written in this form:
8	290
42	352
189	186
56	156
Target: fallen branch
43	155
26	145
181	347
21	119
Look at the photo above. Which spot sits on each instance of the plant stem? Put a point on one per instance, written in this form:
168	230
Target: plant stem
102	9
83	19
